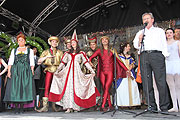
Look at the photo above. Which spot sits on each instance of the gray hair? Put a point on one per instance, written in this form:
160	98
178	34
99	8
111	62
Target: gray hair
148	14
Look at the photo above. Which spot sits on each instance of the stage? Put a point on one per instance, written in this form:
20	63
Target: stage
84	115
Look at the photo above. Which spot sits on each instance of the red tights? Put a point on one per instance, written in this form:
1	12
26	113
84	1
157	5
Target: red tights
106	79
48	81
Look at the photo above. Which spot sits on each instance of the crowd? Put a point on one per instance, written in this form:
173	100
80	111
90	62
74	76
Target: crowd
97	77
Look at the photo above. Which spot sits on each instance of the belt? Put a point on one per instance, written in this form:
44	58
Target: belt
152	51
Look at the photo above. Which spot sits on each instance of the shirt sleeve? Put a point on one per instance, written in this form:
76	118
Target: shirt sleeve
31	57
44	53
136	40
164	44
11	58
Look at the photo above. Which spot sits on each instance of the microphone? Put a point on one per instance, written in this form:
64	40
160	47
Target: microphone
145	24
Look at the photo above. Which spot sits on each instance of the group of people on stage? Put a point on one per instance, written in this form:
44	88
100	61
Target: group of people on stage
77	79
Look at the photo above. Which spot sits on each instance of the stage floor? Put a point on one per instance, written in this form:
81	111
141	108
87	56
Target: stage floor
85	115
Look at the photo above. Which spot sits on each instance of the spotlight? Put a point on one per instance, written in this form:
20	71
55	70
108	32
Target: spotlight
169	2
123	4
103	11
149	2
63	5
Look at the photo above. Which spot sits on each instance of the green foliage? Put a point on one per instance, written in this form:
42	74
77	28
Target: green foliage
39	40
33	41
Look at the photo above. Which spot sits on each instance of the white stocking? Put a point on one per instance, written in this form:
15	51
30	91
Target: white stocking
171	84
177	86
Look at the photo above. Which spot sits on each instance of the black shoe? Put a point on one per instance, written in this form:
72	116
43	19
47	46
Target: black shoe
152	108
164	111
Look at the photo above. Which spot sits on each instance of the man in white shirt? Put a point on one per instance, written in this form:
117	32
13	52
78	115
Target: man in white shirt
153	50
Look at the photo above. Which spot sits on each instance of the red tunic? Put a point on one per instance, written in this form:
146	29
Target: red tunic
106	63
106	71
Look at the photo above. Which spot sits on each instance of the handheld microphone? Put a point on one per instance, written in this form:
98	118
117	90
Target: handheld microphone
145	24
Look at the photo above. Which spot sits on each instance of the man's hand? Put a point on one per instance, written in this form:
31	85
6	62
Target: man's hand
91	64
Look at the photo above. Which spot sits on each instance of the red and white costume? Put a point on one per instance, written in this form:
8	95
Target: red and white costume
70	87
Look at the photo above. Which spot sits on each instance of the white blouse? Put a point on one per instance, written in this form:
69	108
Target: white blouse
31	56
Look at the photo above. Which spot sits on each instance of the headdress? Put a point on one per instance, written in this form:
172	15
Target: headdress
53	38
74	36
93	40
104	37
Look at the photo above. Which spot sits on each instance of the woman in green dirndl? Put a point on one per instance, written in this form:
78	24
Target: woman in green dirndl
20	87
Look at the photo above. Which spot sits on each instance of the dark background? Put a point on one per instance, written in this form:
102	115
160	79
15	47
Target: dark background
115	18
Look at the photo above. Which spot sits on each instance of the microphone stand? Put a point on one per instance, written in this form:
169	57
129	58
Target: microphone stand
149	108
115	85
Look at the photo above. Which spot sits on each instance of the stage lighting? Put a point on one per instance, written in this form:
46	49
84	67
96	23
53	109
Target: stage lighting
123	4
63	5
169	2
149	2
103	11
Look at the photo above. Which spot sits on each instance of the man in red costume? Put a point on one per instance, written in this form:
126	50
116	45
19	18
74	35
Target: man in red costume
106	69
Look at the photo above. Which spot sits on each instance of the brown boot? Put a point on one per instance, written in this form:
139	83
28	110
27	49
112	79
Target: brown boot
54	108
45	105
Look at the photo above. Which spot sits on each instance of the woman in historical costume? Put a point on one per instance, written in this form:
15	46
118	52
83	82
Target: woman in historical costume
173	69
70	87
106	69
20	87
127	88
2	62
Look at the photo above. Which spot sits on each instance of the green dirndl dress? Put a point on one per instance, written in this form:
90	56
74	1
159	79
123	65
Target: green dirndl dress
20	87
